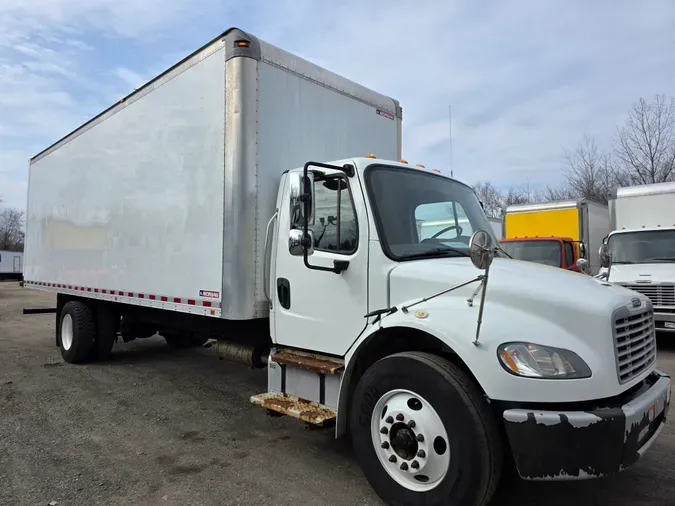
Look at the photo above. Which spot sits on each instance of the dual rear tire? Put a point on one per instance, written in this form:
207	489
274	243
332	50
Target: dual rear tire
424	433
85	333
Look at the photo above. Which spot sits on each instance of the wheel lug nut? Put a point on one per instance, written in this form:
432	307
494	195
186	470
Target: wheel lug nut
399	417
412	424
392	458
384	430
385	445
389	419
420	438
415	464
404	467
421	454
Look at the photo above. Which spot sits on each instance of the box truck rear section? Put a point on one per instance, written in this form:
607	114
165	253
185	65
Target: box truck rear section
641	246
163	200
557	233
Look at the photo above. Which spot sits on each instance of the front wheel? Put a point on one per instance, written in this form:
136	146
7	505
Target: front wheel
424	434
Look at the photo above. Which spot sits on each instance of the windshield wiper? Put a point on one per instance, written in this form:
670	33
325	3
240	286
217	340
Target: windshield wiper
663	259
436	252
623	262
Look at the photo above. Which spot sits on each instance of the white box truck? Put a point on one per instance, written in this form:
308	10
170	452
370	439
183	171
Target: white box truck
11	265
642	246
227	199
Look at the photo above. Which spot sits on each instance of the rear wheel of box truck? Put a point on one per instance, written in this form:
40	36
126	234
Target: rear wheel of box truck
424	433
76	331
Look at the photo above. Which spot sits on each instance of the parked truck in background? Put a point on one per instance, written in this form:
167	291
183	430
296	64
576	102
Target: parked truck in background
224	200
11	265
497	225
557	233
642	246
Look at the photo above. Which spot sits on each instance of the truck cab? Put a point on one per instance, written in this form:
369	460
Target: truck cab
561	252
639	253
395	315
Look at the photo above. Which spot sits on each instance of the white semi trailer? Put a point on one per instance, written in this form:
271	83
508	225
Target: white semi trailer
195	209
642	246
11	264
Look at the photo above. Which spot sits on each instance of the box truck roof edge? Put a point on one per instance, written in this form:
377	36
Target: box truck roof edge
245	44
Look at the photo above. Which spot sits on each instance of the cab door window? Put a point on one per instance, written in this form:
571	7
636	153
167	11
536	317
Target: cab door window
335	227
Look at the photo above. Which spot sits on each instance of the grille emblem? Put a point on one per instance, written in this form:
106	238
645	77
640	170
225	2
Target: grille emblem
635	302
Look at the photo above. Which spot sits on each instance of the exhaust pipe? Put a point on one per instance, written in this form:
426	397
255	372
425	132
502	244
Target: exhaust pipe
252	356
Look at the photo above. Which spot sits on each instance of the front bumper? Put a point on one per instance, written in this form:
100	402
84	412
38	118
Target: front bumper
572	445
664	320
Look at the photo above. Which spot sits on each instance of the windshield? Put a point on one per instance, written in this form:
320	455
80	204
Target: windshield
541	252
643	247
419	214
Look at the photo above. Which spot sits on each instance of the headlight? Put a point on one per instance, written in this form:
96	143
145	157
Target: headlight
537	361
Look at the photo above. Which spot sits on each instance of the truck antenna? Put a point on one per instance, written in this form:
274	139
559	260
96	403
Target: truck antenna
452	172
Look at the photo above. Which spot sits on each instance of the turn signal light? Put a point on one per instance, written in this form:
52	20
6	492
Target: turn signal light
242	43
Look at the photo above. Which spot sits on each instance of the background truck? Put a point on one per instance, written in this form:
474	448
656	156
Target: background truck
556	233
11	265
225	200
642	246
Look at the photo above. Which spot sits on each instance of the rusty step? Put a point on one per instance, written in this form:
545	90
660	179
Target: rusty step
308	362
307	411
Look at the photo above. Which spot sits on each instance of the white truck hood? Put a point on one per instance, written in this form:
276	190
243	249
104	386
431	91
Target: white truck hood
555	294
642	273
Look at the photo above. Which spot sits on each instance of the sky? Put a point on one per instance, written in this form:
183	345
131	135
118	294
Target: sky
525	79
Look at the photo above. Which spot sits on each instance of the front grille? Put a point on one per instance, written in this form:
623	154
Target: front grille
660	295
634	344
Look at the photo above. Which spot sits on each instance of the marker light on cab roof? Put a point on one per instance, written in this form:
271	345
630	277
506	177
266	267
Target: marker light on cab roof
370	155
419	165
403	161
435	170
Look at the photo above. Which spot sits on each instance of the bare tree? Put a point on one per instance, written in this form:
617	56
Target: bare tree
587	173
491	198
645	145
11	230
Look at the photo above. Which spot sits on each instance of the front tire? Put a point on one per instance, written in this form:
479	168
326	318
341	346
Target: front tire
77	330
424	434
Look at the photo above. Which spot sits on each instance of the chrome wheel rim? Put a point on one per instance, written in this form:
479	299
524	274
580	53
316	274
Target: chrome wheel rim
410	440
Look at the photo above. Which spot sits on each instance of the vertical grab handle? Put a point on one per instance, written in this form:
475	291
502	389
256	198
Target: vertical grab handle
268	262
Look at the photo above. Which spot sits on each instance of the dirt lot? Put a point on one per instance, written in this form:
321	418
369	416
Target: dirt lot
157	426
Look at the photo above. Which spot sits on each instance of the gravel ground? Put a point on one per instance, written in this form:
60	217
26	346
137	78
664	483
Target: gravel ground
157	426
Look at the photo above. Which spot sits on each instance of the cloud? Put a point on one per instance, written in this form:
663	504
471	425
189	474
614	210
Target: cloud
525	79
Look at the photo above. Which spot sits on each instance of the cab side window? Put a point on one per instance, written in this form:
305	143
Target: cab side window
335	227
569	254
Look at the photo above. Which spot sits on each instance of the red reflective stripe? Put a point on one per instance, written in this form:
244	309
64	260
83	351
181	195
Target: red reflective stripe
176	300
207	303
191	302
151	297
164	299
141	296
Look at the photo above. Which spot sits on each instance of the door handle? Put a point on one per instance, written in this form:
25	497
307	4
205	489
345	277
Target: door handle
284	292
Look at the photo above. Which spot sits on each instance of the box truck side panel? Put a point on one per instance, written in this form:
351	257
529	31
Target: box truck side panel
598	228
134	202
547	223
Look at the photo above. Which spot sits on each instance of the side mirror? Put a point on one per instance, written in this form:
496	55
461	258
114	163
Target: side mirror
297	199
296	246
582	263
481	249
605	257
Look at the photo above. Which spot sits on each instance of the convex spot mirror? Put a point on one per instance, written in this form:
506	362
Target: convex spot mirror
298	195
481	249
295	243
605	257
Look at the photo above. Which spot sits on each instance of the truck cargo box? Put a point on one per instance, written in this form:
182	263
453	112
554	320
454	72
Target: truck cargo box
163	199
581	220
